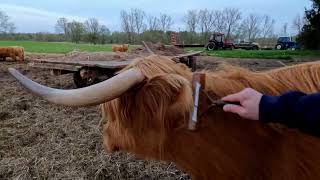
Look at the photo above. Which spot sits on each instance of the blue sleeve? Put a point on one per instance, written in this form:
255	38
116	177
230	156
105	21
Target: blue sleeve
293	109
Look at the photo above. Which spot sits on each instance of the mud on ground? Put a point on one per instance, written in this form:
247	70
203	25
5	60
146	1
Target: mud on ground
39	140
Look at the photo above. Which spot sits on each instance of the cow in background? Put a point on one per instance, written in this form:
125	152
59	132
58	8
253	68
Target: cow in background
12	52
120	48
147	108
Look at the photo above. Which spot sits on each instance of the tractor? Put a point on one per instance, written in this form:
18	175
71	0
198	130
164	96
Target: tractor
218	41
284	43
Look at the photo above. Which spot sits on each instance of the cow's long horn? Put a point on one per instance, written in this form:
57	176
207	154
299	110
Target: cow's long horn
92	95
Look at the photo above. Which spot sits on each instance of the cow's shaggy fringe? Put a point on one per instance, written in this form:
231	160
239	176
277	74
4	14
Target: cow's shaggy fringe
151	121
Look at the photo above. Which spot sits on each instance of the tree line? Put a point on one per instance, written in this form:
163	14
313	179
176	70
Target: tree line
89	31
136	25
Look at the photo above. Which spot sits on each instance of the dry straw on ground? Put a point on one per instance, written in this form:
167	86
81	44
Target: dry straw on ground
44	141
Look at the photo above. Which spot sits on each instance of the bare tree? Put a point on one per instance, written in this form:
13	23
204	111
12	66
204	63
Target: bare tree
206	20
5	25
75	31
127	24
61	25
144	27
232	17
124	17
104	33
165	22
154	23
202	18
251	26
191	19
298	23
267	26
138	16
285	29
93	30
133	22
219	22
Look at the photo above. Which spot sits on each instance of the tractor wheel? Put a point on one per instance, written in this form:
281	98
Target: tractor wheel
255	48
278	47
211	46
83	81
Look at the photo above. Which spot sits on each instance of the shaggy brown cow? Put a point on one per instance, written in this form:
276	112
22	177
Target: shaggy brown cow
12	52
148	112
120	48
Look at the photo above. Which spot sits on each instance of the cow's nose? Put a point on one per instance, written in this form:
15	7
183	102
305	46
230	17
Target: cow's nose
112	148
115	149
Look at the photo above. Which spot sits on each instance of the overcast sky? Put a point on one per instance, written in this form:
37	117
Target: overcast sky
41	15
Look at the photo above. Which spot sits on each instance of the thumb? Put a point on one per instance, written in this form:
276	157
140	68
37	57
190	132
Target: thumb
233	109
237	97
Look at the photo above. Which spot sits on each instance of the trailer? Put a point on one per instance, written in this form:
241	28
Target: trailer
86	73
216	41
190	45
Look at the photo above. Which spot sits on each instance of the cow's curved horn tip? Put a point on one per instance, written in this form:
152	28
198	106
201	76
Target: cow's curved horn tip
12	70
15	73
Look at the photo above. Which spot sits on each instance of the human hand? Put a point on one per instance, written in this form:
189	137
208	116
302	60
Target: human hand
249	100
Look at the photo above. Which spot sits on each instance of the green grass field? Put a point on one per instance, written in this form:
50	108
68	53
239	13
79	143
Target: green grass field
66	47
56	47
260	54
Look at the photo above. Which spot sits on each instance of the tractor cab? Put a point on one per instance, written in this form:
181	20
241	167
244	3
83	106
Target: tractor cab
284	43
218	41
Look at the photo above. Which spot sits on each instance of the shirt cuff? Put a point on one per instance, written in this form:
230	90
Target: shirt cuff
268	109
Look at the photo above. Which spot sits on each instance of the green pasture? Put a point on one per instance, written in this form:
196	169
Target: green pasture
66	47
56	47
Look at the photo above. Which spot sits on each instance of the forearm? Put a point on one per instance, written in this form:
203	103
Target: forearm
293	109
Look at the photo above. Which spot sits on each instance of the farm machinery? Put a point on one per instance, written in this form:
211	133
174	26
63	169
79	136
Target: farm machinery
91	71
284	43
216	41
247	45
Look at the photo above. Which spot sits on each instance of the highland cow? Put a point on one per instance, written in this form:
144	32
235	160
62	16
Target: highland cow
147	108
120	48
12	52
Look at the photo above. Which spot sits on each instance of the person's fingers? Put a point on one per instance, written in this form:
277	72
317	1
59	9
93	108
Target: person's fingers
237	97
234	109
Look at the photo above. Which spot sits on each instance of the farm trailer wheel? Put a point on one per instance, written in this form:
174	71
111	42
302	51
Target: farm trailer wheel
87	77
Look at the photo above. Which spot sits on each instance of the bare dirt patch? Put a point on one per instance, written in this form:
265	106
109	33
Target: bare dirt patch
85	56
159	48
39	140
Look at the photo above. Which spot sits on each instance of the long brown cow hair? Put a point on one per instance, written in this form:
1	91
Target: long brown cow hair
151	121
12	52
